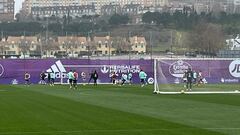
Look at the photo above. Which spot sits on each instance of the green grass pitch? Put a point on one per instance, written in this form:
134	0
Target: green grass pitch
114	110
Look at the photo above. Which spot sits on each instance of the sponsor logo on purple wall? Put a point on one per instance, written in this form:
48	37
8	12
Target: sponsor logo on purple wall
178	68
234	68
1	70
213	71
12	71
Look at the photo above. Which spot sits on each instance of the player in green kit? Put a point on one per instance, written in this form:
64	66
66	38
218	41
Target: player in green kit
70	78
143	77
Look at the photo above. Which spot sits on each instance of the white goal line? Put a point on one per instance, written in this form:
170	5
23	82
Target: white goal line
199	92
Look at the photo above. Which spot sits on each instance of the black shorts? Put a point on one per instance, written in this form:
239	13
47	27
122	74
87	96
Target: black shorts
74	81
70	80
142	80
189	80
52	80
27	80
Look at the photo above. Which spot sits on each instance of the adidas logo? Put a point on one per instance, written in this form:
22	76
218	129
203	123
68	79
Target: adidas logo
57	68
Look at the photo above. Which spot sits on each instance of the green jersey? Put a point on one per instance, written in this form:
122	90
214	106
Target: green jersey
70	75
142	75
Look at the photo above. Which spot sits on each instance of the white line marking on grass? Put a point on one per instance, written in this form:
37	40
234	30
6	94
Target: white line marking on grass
201	92
222	128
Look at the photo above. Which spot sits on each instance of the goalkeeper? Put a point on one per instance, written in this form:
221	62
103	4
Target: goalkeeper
189	75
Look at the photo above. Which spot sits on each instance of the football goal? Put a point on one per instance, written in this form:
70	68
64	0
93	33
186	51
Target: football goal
207	76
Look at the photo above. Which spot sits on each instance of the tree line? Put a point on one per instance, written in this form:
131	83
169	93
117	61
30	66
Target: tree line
60	26
187	21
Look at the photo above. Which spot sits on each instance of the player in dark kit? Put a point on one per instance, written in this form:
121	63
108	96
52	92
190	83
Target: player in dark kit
27	77
95	77
91	77
42	77
189	75
75	79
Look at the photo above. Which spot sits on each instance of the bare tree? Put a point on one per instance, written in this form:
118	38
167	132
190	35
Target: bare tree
207	38
120	44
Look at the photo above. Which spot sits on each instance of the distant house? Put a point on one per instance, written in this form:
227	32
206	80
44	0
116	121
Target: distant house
21	46
138	44
72	46
49	47
104	46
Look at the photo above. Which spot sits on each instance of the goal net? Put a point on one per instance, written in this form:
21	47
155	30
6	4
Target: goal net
207	74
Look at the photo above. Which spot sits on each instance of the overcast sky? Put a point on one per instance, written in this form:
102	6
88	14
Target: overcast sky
18	5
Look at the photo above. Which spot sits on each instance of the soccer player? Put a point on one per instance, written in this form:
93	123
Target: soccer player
27	77
95	77
42	77
124	78
114	77
70	78
142	76
75	74
189	79
83	75
52	78
195	77
200	78
130	78
49	78
91	77
185	79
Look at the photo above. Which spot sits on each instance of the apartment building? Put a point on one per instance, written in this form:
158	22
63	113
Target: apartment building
61	11
7	10
27	5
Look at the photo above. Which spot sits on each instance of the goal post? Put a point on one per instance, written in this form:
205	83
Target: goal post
208	73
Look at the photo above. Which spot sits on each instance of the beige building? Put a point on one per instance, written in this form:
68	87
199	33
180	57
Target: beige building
69	46
103	45
20	46
138	44
72	46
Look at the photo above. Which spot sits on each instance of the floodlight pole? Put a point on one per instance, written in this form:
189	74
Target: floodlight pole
129	47
151	45
109	49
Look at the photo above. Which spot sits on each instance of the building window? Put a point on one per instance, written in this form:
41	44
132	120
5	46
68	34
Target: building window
106	52
12	46
99	45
